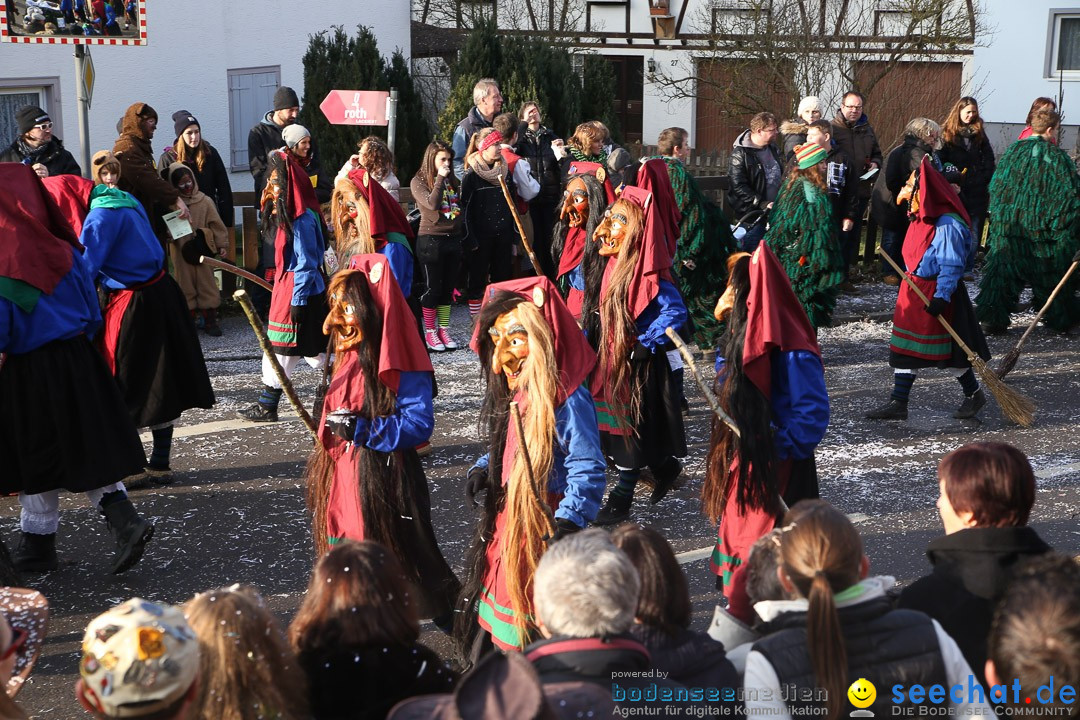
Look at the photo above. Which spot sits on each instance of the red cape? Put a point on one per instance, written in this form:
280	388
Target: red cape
573	354
654	260
936	198
384	212
654	178
72	195
775	319
35	237
301	193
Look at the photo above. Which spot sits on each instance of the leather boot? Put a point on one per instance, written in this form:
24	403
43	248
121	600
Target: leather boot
665	481
130	531
35	553
892	410
615	510
210	323
971	406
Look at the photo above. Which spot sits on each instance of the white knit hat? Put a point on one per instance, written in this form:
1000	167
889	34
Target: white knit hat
809	103
293	134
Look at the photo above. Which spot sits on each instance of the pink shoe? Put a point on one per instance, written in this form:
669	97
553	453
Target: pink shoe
447	341
431	339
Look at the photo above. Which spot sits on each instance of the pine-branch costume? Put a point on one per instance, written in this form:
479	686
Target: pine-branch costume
1034	233
705	241
802	235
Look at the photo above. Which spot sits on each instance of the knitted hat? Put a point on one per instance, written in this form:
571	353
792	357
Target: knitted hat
809	154
182	120
29	116
138	658
809	103
285	98
292	134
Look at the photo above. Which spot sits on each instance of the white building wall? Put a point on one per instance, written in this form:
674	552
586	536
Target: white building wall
190	47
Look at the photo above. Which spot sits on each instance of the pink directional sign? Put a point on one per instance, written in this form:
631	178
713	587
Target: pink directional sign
355	107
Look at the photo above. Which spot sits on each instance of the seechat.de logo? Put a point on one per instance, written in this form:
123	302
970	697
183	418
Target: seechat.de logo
862	694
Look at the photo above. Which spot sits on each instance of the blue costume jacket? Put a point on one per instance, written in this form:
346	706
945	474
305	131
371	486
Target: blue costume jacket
412	421
800	402
121	248
946	255
71	309
666	310
578	470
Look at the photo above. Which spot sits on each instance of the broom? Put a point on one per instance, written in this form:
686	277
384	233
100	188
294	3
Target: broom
1017	407
1009	361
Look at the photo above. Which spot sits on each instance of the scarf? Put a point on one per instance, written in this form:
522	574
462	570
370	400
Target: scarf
449	206
489	173
582	157
103	196
33	153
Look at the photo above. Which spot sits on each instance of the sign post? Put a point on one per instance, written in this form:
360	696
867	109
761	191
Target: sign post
355	107
84	90
391	119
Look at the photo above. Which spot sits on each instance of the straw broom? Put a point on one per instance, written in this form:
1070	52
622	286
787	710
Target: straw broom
1009	361
1017	407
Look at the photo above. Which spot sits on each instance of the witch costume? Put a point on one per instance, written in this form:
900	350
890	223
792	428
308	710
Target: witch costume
772	382
568	496
936	245
374	487
63	421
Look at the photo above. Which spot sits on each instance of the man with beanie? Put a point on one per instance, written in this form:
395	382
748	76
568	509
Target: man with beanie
138	175
139	660
37	147
267	136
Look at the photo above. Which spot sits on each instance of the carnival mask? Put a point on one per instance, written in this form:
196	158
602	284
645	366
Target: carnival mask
910	193
342	323
346	205
726	303
575	207
622	221
511	341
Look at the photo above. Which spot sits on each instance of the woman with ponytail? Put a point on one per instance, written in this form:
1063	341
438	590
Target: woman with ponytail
842	630
539	485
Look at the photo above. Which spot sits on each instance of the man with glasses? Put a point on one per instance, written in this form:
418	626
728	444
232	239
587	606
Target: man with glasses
853	134
35	146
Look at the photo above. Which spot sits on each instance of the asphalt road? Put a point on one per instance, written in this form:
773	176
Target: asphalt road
236	513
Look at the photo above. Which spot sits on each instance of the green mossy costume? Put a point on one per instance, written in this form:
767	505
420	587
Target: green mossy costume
1034	232
802	235
706	241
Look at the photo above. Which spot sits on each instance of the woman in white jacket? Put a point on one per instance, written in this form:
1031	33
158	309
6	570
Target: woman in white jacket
843	629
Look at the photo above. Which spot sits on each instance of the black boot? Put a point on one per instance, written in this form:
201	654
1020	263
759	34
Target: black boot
210	326
971	406
130	531
892	410
665	480
36	553
615	510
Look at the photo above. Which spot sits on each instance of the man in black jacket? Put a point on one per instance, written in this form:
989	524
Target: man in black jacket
854	134
755	171
37	147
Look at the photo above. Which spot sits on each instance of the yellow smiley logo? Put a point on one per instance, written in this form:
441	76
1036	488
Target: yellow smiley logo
862	693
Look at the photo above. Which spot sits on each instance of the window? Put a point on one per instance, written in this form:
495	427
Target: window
251	95
19	92
1063	45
